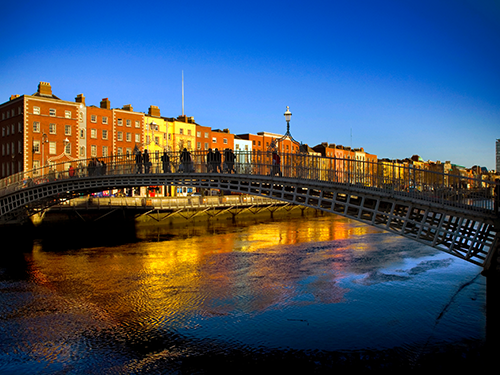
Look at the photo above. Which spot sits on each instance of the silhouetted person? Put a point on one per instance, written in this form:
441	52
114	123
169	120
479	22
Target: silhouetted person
147	164
217	160
138	161
165	161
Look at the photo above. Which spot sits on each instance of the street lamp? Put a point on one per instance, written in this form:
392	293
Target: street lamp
152	126
66	143
288	116
275	144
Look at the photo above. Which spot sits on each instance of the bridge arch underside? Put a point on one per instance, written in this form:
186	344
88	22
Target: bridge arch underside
460	232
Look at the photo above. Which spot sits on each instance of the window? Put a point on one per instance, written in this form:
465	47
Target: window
93	133
36	127
214	140
137	138
36	146
120	122
198	145
189	145
137	124
36	110
82	133
36	165
225	141
181	131
206	135
67	114
19	127
237	146
67	149
67	129
129	137
104	119
93	118
52	128
52	112
189	131
93	150
104	134
157	140
104	151
206	145
119	136
129	123
52	148
198	134
119	151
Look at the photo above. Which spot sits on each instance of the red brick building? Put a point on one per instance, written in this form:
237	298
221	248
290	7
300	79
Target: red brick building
37	130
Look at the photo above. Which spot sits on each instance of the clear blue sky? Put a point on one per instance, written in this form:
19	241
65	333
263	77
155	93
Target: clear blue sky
404	77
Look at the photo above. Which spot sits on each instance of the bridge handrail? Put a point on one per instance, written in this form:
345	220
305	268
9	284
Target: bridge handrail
403	179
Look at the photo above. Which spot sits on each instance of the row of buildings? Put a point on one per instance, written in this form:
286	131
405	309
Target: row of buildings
41	128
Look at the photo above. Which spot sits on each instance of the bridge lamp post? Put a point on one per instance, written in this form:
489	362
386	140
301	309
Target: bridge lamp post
152	126
288	116
45	139
66	143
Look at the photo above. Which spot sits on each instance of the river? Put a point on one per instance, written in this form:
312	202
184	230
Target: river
305	295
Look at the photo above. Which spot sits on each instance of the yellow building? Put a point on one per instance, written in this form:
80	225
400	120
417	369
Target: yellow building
182	133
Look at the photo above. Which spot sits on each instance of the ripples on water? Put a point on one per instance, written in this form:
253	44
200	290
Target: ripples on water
309	295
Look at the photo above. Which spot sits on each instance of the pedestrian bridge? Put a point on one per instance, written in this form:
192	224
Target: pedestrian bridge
449	212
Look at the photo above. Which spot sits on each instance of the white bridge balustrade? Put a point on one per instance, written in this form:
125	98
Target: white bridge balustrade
456	214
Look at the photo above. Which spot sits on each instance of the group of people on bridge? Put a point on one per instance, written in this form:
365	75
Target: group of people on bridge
214	162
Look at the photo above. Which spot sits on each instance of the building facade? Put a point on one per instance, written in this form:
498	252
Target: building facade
37	130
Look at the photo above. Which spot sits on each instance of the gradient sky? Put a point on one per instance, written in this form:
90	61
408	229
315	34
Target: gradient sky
397	78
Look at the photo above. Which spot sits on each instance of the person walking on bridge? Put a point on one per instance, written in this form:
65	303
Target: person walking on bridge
138	162
165	160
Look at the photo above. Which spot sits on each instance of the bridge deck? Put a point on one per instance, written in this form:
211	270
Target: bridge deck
450	212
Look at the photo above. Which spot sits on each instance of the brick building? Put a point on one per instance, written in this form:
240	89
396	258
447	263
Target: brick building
37	130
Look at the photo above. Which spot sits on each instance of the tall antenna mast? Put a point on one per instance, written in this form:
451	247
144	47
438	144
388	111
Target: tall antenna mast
183	92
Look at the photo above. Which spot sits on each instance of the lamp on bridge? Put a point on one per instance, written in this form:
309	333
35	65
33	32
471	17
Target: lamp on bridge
288	116
152	126
67	150
276	144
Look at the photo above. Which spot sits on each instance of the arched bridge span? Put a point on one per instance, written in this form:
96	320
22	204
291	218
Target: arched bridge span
458	226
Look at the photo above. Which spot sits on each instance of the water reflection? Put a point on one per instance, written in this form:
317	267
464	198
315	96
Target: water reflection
317	284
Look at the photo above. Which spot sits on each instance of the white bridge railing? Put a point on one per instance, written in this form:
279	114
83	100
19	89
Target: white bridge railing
395	178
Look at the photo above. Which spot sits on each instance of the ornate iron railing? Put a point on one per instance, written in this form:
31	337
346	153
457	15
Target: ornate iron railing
394	178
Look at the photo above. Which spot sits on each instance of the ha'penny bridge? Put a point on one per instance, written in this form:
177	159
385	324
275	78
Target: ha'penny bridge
452	213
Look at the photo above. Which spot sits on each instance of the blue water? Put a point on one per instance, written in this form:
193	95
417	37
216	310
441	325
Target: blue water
310	294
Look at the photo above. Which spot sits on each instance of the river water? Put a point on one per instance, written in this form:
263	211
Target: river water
304	295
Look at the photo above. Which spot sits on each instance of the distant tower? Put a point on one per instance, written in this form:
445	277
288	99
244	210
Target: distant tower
498	156
183	93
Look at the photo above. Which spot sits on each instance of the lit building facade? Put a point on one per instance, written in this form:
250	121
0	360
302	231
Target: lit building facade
37	130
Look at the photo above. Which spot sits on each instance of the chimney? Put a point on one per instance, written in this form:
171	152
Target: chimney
128	107
12	97
80	99
44	89
154	111
105	103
